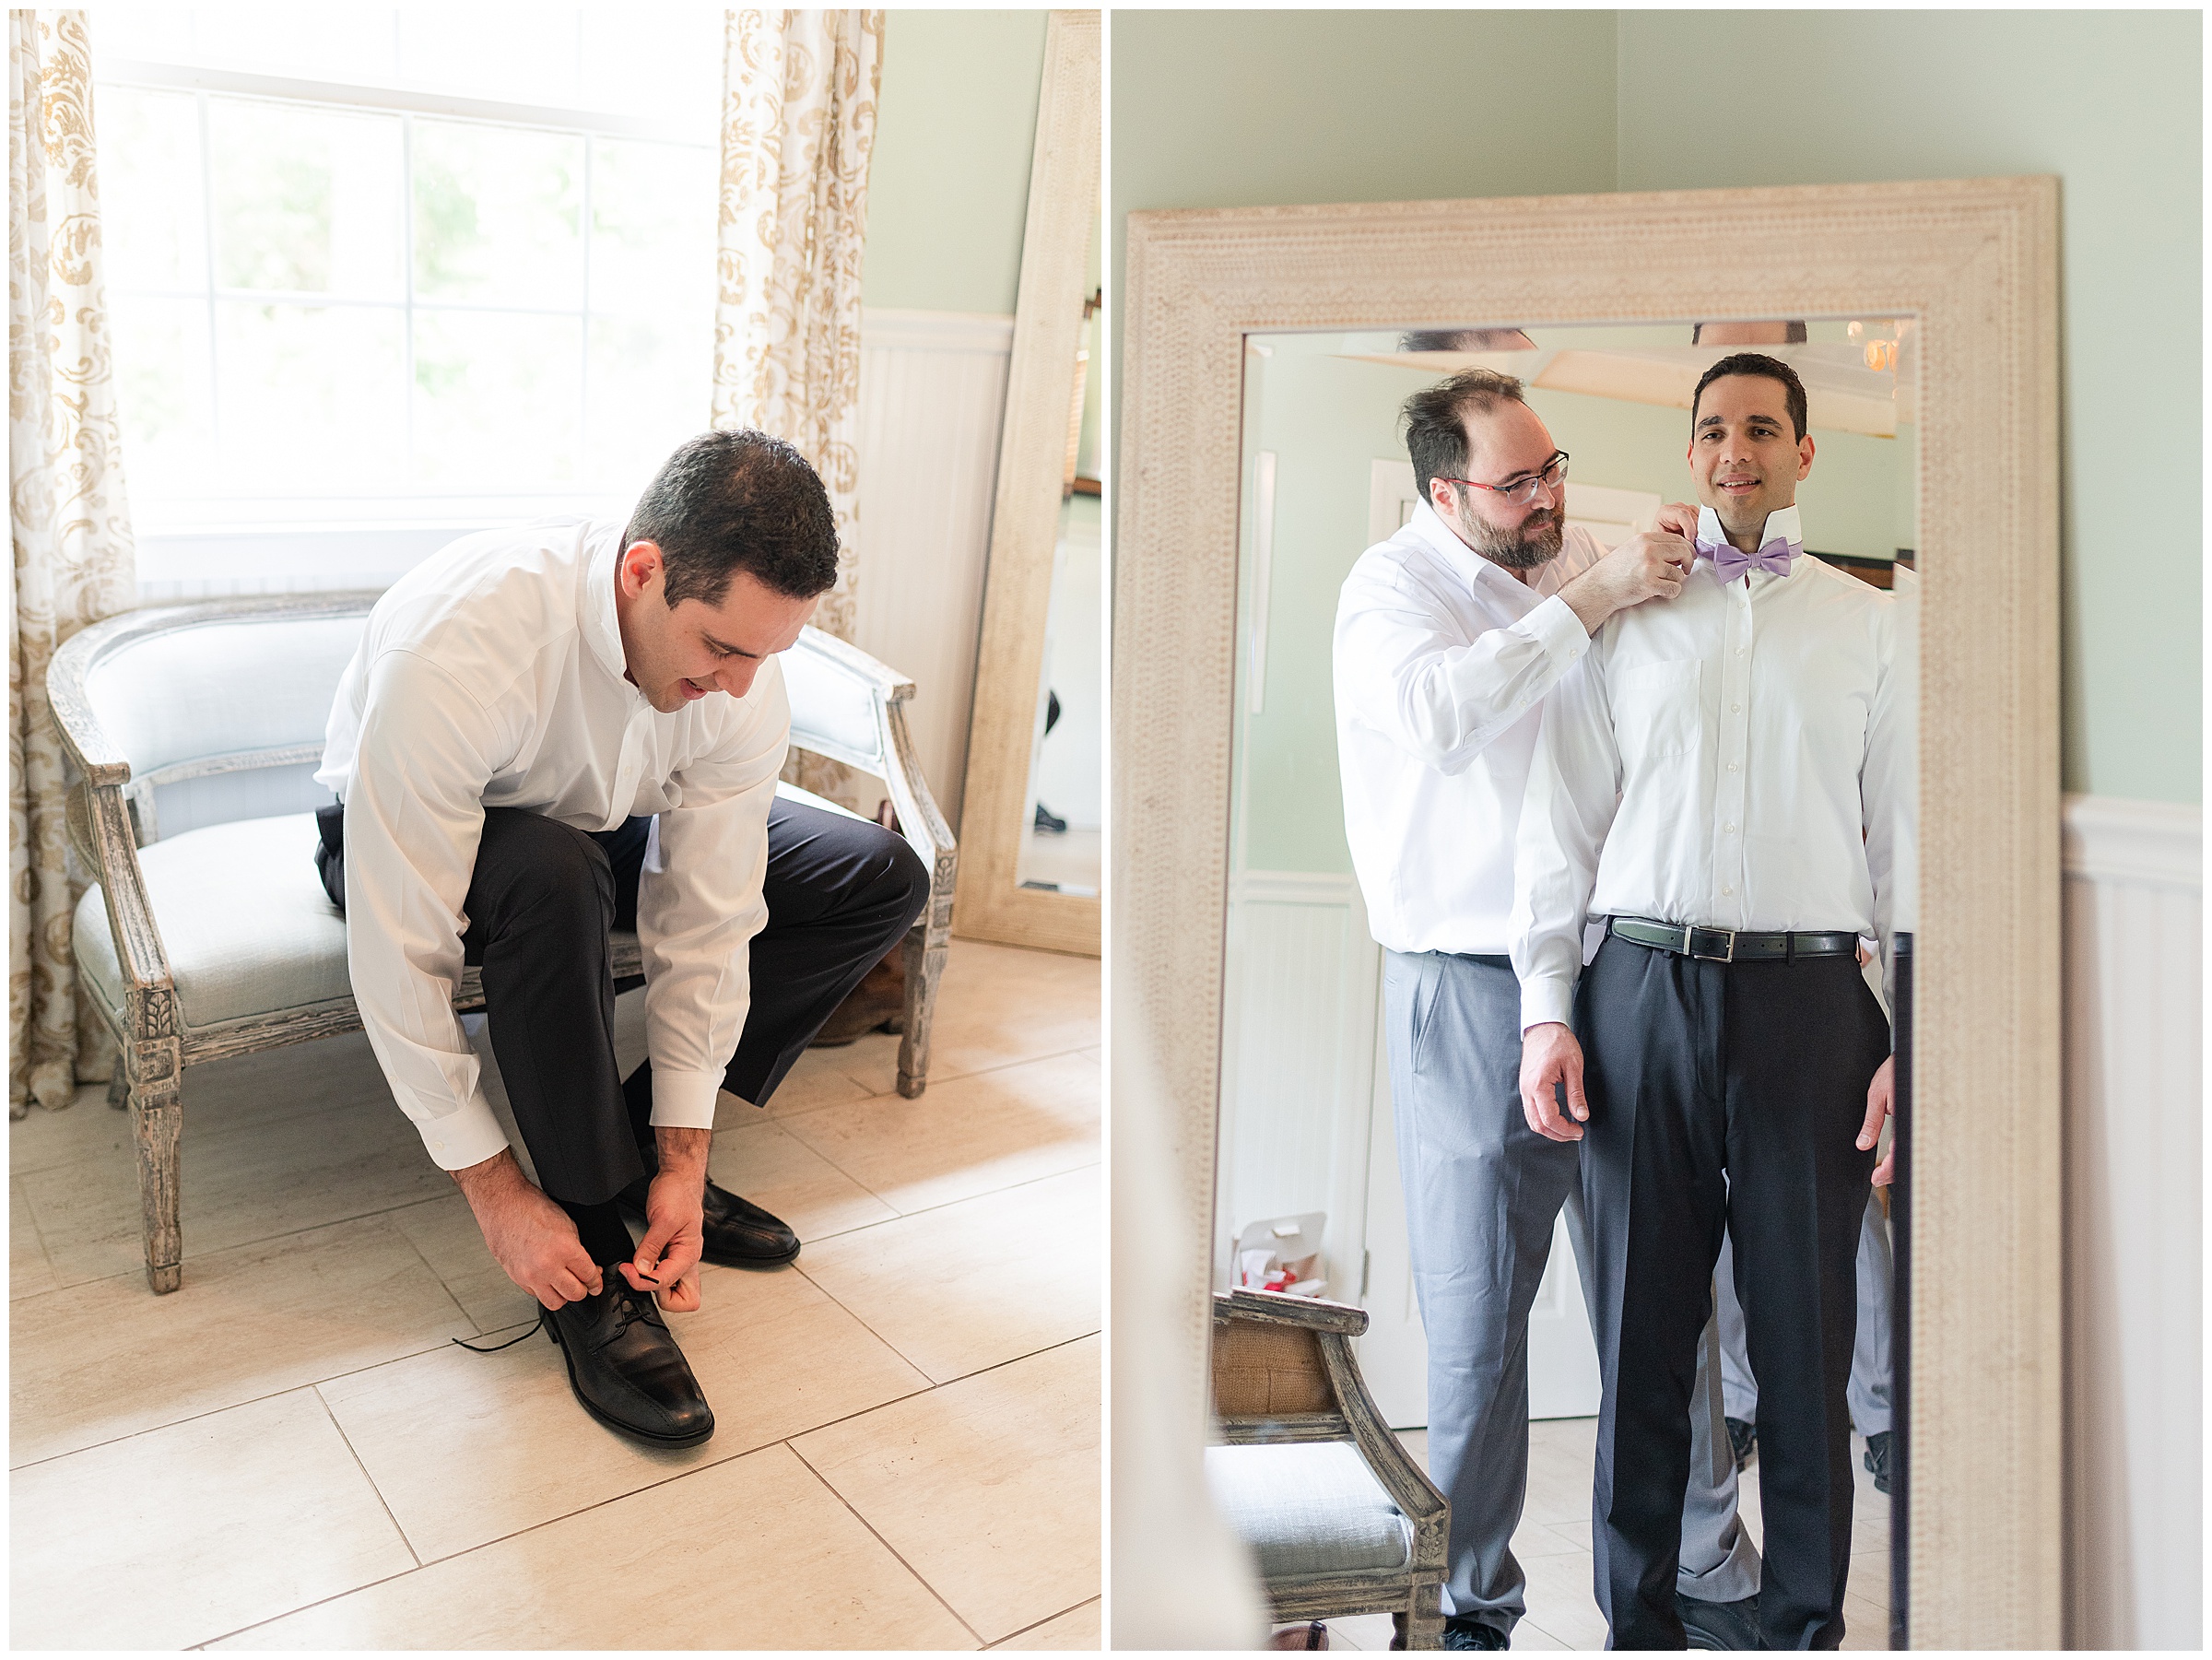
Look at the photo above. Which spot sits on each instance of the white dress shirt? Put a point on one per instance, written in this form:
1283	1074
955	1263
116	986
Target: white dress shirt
491	675
1727	760
1442	661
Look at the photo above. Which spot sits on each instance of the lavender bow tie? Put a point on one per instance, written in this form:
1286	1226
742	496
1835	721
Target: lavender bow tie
1729	562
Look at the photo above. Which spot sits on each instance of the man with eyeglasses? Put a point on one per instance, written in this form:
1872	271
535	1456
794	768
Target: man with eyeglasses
1449	637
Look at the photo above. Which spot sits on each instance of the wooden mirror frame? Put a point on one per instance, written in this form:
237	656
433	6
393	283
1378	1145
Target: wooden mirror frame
1025	517
1977	262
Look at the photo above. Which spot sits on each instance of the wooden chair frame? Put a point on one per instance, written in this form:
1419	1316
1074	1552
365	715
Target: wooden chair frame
1283	1370
111	816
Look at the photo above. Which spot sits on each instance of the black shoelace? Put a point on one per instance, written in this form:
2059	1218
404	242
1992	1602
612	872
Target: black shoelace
635	1305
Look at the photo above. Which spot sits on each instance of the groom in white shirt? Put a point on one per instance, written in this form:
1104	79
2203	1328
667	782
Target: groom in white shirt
1718	784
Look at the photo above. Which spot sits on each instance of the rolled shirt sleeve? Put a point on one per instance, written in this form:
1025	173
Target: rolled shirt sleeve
413	818
1573	789
698	909
1401	670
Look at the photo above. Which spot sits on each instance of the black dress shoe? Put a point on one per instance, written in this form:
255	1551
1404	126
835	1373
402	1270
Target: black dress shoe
626	1369
1719	1625
1876	1459
1461	1632
740	1234
1742	1438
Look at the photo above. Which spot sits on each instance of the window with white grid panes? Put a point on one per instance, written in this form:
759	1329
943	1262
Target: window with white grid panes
387	267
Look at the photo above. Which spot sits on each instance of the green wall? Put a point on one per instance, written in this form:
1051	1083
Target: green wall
948	186
1252	108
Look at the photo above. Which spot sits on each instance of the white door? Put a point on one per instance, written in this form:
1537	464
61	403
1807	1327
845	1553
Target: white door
1394	1356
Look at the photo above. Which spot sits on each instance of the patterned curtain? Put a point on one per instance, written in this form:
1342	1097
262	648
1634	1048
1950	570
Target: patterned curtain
798	122
73	563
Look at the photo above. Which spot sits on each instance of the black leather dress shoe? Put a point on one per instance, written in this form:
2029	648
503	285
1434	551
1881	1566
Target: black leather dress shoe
1461	1632
1742	1439
626	1369
740	1234
1876	1459
1719	1625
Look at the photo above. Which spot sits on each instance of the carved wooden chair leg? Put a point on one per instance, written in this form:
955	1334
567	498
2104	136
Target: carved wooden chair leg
924	965
157	1118
1424	1617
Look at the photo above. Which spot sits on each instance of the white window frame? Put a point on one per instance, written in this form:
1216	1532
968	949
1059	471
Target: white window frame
268	544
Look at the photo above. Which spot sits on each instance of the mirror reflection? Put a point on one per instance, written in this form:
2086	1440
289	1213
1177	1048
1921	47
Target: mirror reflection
1566	914
1063	846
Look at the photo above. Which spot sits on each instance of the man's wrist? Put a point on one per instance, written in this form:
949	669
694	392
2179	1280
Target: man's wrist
490	1179
1587	597
683	1152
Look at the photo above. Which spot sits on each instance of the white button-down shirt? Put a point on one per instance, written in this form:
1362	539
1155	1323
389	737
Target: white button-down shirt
1442	661
491	675
1727	760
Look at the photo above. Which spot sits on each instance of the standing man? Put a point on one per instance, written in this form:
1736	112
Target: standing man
1718	783
552	732
1449	637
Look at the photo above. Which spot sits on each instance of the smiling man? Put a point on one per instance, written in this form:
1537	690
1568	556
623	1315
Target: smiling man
553	732
1717	786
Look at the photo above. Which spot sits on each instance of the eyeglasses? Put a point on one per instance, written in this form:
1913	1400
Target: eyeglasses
1521	491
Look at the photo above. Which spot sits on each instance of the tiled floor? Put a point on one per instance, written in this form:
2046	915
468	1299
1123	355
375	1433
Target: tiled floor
289	1453
1553	1547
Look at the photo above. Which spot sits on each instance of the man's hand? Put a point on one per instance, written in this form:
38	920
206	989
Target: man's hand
1651	564
1549	1055
1680	517
667	1258
1881	1095
530	1236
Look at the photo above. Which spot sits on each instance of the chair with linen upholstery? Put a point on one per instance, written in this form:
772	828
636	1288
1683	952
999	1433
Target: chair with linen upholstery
1341	1518
216	938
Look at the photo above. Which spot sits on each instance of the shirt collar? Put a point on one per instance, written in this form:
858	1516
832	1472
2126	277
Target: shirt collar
602	632
1429	525
1782	522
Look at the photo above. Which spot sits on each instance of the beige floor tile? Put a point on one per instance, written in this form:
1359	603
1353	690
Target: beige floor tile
975	1284
1561	1454
1369	1633
98	1361
780	1173
240	1185
1549	1539
467	1448
965	1136
444	1230
752	1553
218	1096
1561	1600
1866	1622
977	1029
988	1487
1077	1629
1528	1634
28	1272
171	1538
818	1079
1870	1575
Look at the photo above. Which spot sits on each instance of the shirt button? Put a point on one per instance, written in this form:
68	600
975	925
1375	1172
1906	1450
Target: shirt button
1729	828
1736	709
1732	765
1726	891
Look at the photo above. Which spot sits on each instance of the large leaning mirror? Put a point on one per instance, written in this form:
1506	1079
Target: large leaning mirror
1270	356
1336	1176
1033	814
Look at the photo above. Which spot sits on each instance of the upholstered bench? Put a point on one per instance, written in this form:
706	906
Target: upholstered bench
218	939
1339	1517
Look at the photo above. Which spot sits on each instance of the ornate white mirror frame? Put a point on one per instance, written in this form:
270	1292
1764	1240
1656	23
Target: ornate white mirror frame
1025	519
1976	261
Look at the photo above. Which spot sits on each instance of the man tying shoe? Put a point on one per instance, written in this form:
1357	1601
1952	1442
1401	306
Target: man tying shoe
552	732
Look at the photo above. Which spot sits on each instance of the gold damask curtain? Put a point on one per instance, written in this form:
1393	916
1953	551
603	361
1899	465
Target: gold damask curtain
71	525
798	122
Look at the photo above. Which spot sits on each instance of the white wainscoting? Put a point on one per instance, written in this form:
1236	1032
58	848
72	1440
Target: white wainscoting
1298	1062
2135	1229
933	394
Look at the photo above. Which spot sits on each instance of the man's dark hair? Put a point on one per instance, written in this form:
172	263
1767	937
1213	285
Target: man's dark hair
731	502
1464	339
1793	333
1758	363
1436	420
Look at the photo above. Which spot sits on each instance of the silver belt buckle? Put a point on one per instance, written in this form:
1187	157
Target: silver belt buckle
1707	956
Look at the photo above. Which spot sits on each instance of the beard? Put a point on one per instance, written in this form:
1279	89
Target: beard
1535	541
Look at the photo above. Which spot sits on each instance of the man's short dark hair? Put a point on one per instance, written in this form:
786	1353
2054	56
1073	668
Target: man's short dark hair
1758	363
1436	420
1793	332
731	502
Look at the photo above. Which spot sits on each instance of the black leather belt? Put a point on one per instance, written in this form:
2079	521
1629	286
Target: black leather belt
1718	944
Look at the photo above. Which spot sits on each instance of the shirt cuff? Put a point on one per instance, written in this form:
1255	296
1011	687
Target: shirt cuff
468	1135
1545	998
684	1101
1558	629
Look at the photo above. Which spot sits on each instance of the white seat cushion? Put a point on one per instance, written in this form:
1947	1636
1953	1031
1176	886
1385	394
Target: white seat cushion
1309	1509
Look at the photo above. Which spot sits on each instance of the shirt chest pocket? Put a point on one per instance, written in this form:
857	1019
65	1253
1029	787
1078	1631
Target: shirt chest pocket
1656	709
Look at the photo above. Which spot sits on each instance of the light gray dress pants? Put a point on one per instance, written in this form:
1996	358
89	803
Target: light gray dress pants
1482	1194
1869	1390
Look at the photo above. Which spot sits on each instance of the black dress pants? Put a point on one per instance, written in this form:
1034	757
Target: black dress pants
541	902
1755	1072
